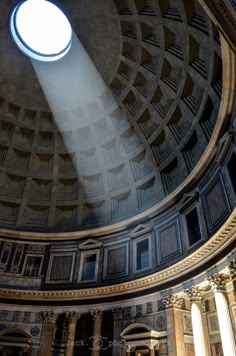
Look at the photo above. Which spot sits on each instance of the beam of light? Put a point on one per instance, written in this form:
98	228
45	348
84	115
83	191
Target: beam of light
41	30
71	87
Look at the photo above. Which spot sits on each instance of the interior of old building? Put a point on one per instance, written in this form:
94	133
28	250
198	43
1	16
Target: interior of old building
118	180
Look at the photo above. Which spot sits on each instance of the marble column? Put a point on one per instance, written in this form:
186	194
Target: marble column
97	333
218	284
48	332
70	342
117	329
175	336
200	343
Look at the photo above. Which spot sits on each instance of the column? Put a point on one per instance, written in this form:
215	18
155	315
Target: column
48	331
152	351
117	329
218	284
70	342
175	334
97	333
200	344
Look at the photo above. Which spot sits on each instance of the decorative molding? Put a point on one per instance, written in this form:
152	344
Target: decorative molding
90	244
187	199
223	238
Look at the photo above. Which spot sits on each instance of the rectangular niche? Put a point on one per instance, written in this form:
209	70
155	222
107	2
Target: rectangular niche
193	227
17	258
88	270
5	255
32	265
61	267
168	241
115	261
142	253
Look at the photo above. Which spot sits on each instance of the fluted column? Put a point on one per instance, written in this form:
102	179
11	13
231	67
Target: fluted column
97	332
218	284
175	336
200	345
48	331
70	343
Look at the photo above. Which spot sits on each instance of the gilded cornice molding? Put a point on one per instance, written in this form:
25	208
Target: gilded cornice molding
223	238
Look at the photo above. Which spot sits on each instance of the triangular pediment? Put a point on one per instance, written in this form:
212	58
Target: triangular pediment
140	230
90	244
187	199
223	146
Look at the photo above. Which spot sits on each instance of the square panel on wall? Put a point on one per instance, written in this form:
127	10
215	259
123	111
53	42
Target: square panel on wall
61	268
168	241
215	203
115	261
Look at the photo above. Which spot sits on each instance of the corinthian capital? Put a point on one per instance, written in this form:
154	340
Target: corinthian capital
172	301
218	281
98	314
232	269
194	294
73	316
49	317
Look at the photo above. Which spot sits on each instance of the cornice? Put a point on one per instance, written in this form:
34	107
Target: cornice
223	238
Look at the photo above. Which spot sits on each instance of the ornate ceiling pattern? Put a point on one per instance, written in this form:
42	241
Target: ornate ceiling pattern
162	63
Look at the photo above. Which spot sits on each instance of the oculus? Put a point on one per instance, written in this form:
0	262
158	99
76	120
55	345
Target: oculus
40	30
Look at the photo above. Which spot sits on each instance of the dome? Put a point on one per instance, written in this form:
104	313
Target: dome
118	182
87	146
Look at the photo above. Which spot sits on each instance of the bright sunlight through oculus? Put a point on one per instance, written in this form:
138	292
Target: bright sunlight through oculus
41	30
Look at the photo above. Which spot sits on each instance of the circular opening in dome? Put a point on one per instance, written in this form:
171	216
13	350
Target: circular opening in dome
41	30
